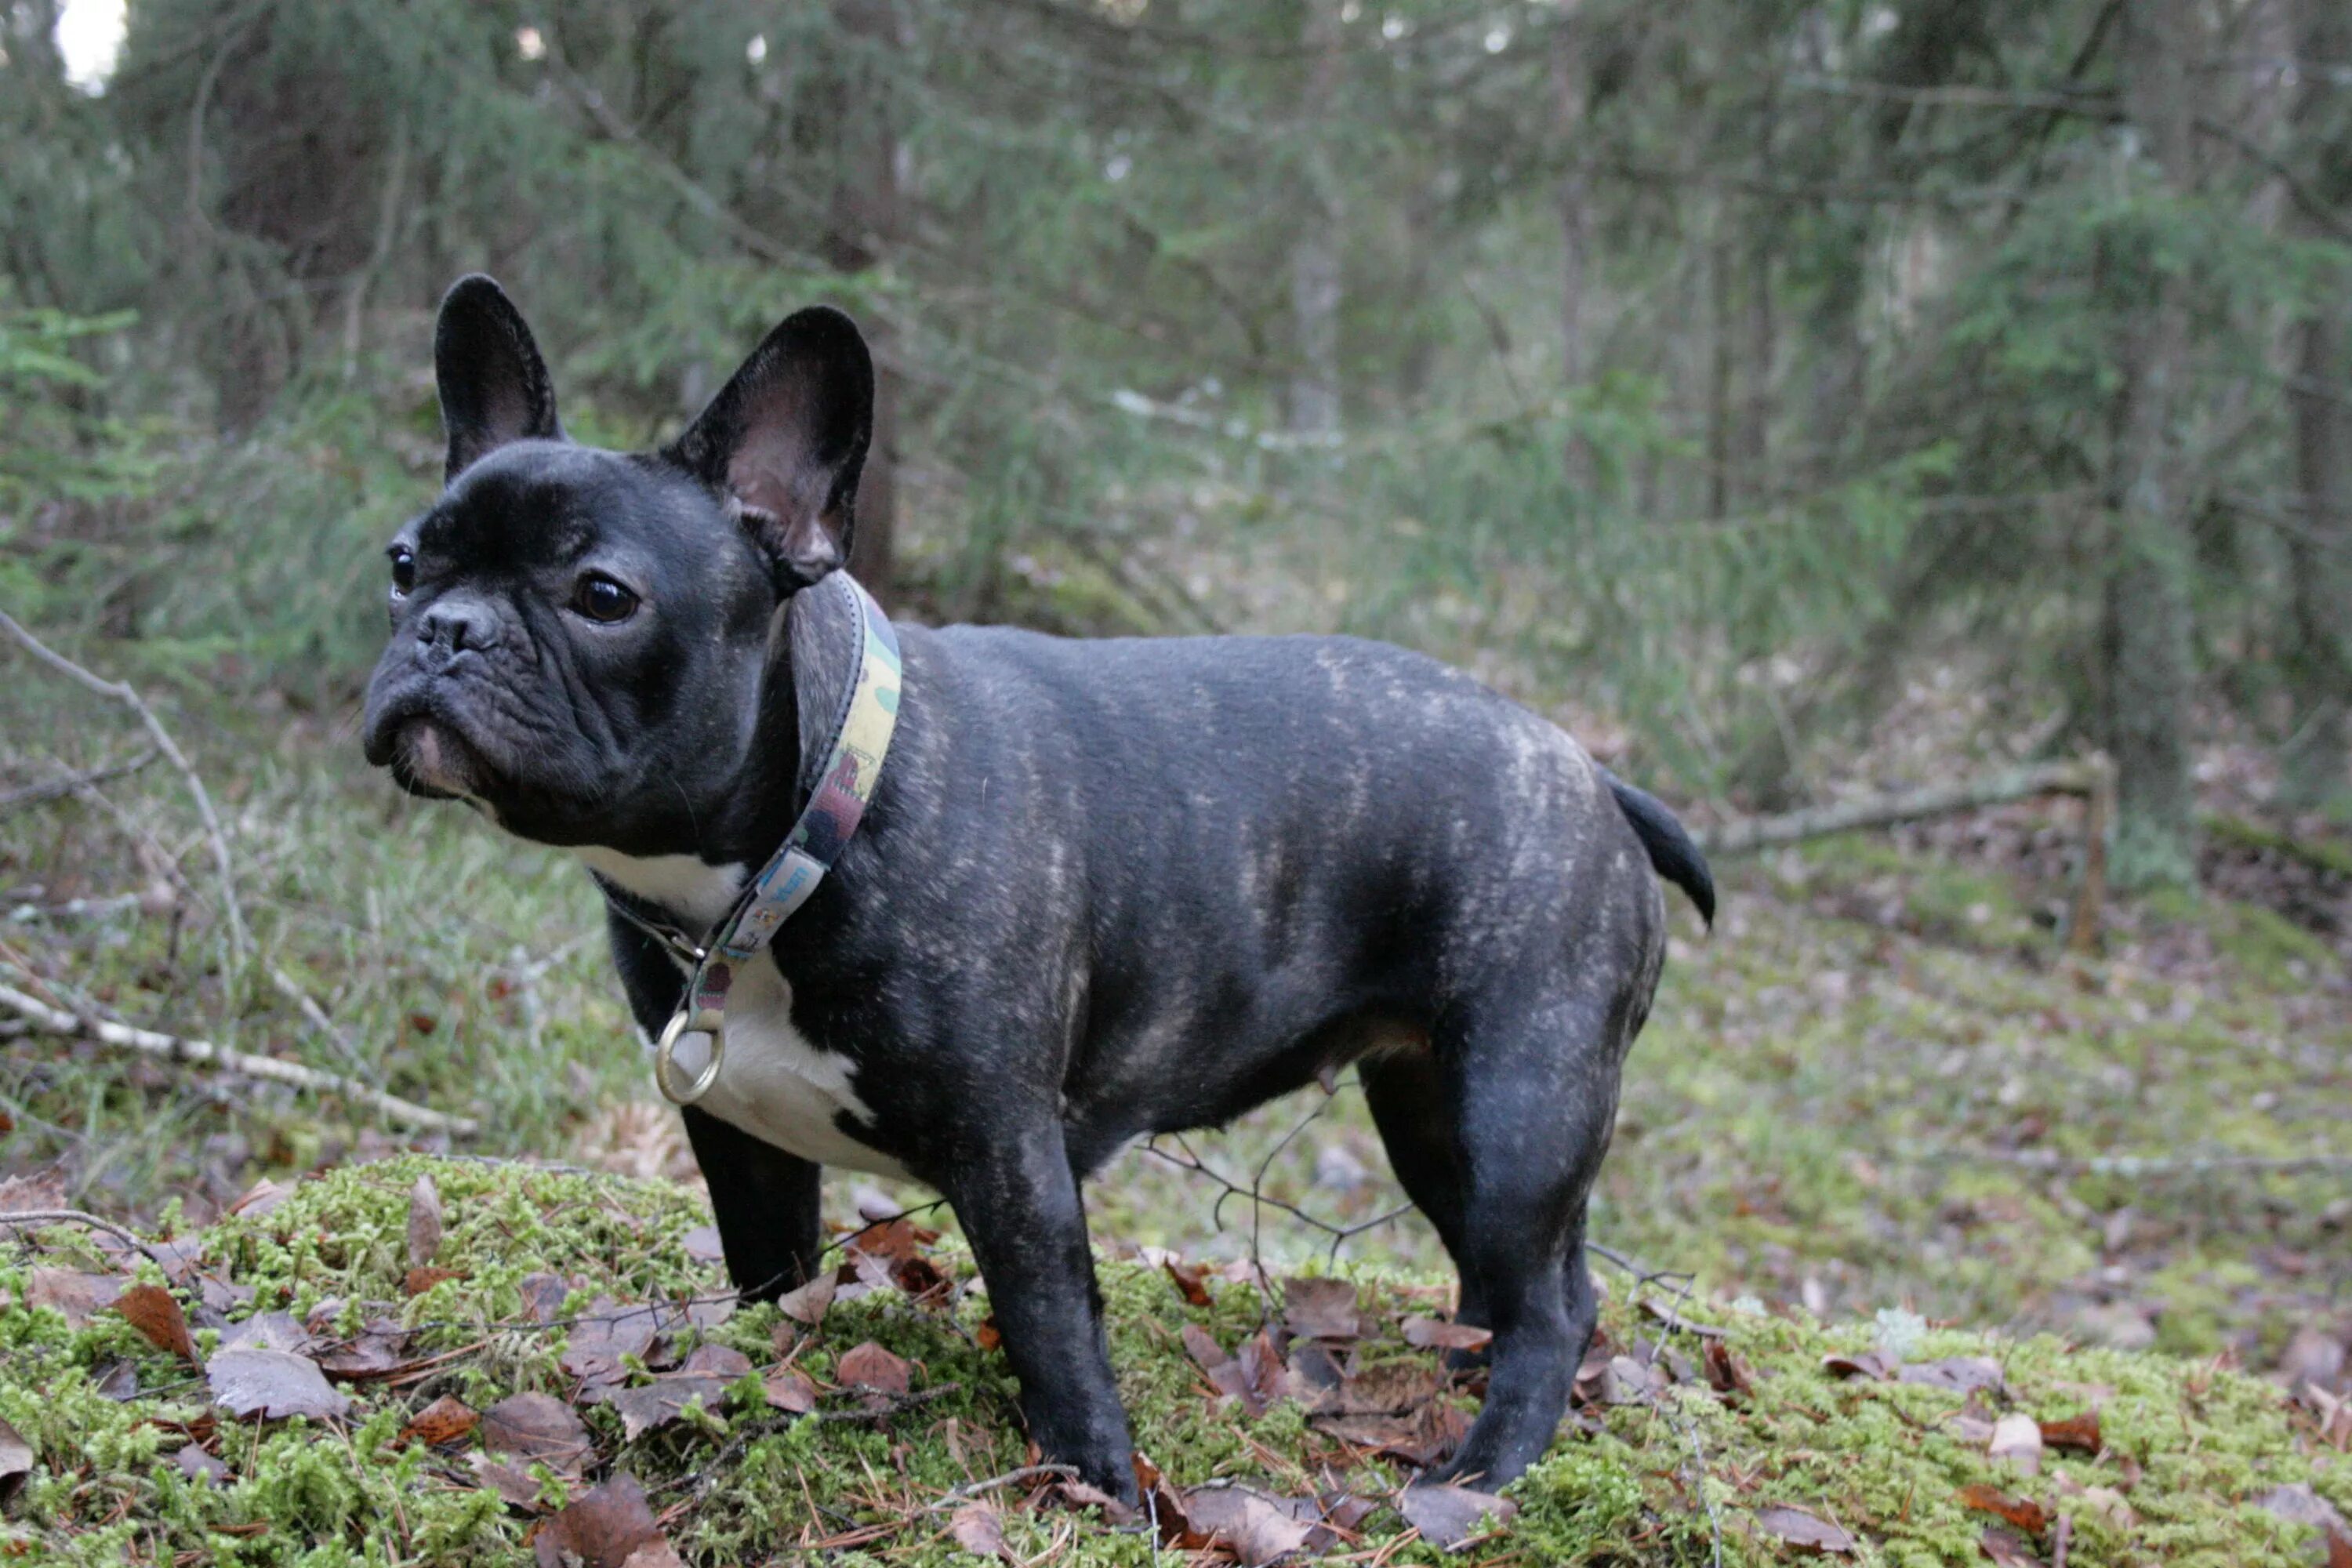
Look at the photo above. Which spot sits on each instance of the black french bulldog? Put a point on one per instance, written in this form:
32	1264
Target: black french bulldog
1104	889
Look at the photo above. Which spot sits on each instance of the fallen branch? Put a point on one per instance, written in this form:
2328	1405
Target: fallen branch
76	1216
53	789
955	1495
2332	859
2093	778
1757	832
121	692
58	1021
2153	1165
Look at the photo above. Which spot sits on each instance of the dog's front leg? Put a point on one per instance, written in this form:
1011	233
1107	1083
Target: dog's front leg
1018	1203
766	1204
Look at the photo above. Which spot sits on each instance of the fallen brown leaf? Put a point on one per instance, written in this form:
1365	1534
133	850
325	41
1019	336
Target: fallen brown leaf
156	1312
791	1391
979	1529
510	1482
702	1245
2080	1433
1318	1308
1451	1517
378	1350
81	1297
444	1420
424	1223
606	1332
868	1365
807	1304
600	1528
1960	1373
272	1383
723	1361
537	1427
41	1190
1436	1333
893	1240
16	1460
2023	1512
657	1404
261	1198
1802	1528
1190	1282
2300	1504
1080	1494
419	1280
267	1331
1726	1374
1876	1365
922	1281
1252	1529
200	1467
543	1297
2006	1550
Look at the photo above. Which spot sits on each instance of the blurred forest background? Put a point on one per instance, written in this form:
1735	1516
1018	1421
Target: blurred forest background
1799	400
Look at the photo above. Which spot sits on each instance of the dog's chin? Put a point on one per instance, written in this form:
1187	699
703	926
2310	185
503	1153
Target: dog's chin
431	759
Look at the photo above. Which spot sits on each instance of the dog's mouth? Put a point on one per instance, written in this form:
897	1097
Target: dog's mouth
429	757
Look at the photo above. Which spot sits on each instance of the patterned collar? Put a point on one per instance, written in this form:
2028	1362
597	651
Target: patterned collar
857	742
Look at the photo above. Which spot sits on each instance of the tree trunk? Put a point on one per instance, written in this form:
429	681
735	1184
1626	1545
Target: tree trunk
1574	197
868	219
1718	374
1315	282
2311	766
2144	644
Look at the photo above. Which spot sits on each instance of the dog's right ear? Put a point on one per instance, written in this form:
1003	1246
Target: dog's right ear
494	386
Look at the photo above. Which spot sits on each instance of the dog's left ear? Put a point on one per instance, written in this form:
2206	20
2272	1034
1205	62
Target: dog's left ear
787	438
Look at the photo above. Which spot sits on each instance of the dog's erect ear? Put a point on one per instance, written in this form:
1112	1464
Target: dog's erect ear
494	385
787	438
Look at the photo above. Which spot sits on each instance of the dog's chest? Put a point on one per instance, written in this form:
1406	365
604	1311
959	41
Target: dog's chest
776	1084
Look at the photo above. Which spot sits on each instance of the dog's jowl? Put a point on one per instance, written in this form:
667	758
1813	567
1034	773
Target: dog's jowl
978	906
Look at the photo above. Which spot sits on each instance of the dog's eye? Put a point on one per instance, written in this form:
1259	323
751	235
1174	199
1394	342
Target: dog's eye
403	568
602	599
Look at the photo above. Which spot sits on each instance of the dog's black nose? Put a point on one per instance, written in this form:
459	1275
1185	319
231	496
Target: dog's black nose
459	622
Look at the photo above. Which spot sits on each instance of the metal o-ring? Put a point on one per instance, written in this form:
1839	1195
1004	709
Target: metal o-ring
683	1023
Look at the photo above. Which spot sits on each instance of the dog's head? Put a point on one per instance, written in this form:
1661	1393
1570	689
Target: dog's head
578	636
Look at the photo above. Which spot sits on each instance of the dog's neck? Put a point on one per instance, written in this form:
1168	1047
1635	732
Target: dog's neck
813	647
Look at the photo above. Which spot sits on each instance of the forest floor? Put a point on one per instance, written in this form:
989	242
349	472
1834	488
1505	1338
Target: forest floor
1880	1132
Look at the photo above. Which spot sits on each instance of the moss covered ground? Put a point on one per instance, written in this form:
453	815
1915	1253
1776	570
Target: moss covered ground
1696	1440
1879	1108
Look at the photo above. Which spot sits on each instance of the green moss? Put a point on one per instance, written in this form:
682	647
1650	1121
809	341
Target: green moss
1944	901
1884	1460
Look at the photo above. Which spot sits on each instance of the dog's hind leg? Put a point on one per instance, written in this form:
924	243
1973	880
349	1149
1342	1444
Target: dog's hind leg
1534	1087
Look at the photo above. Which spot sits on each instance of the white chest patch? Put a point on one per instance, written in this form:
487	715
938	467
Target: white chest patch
698	893
776	1084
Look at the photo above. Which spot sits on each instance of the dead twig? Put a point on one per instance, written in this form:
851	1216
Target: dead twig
121	692
2148	1164
76	1216
1909	805
172	1047
53	789
969	1489
285	987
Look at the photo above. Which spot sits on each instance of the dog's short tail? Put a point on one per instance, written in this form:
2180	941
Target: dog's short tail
1676	857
